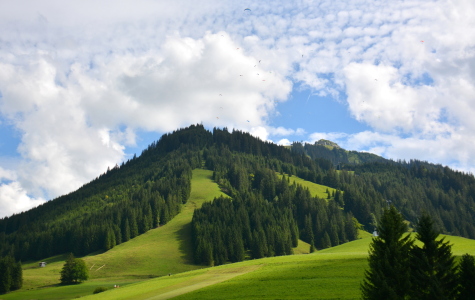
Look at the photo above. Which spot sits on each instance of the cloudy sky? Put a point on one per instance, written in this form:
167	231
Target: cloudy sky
84	86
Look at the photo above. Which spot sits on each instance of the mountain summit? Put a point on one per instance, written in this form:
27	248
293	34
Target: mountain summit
323	142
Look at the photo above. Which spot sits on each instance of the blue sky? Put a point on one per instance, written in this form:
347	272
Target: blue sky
84	86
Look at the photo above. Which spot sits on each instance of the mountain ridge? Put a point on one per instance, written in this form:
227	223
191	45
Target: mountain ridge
148	190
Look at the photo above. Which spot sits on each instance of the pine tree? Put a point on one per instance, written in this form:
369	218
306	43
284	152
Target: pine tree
326	243
466	278
312	248
17	276
388	275
433	268
5	275
126	230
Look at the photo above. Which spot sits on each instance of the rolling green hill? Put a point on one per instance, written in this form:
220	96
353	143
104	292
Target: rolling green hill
147	218
160	251
333	273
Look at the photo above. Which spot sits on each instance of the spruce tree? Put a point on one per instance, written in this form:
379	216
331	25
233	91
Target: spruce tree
326	243
5	275
388	275
17	276
466	278
433	269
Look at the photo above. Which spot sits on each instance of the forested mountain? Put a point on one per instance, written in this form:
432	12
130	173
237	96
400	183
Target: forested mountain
332	152
264	215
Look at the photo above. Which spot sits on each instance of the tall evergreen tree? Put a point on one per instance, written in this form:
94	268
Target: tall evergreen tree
5	275
11	274
433	269
388	275
466	278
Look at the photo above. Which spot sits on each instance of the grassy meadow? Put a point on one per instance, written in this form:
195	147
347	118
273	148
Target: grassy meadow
314	188
142	265
333	273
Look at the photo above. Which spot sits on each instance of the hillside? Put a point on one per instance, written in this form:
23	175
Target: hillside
268	201
334	273
147	191
331	151
158	252
161	251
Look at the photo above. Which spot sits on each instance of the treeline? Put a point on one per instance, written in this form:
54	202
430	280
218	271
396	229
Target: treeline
11	275
266	215
223	230
415	186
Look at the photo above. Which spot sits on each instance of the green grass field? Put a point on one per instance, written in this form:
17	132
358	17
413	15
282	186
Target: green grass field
333	273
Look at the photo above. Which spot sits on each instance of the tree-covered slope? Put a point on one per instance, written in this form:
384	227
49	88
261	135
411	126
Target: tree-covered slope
149	190
128	200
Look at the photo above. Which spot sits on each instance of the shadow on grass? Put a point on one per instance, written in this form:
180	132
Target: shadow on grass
185	245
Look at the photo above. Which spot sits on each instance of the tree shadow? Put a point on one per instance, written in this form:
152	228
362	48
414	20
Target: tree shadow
185	244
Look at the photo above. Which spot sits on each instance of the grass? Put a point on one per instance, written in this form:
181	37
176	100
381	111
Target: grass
314	188
141	266
156	253
333	273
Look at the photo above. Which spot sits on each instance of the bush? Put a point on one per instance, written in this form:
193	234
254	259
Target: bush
100	289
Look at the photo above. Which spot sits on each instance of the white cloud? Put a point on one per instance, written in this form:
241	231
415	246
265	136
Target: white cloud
6	174
79	80
284	142
71	121
14	199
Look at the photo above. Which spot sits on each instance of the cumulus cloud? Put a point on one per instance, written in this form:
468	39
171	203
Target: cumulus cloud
14	199
76	124
78	80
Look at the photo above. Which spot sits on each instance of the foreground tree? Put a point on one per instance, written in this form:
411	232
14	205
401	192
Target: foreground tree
433	268
388	276
11	275
466	278
74	271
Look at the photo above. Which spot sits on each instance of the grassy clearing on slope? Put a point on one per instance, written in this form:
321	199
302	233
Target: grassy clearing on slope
314	188
158	252
163	250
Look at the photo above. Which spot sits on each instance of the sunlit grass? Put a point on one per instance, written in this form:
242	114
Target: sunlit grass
158	252
314	188
332	273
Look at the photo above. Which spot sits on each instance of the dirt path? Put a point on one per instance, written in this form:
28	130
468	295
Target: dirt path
201	281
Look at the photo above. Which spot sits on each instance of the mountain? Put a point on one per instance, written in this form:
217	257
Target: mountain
264	214
324	149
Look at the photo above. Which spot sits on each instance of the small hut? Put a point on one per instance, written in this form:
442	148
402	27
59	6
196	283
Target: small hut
42	264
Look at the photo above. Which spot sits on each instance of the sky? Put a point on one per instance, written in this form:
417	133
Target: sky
84	85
